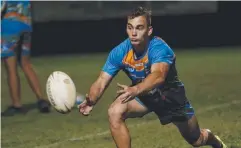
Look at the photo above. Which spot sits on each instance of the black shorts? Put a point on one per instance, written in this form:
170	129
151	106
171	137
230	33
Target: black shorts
170	105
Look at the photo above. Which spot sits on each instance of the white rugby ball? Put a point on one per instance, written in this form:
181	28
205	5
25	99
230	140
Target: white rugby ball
61	91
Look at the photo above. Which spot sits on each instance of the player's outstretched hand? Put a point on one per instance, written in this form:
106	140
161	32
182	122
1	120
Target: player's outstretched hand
85	108
126	93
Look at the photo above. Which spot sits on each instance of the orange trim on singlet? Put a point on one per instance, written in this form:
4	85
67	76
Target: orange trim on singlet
138	65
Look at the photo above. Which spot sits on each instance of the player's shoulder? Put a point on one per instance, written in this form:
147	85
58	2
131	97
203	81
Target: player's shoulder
157	44
159	47
122	48
156	41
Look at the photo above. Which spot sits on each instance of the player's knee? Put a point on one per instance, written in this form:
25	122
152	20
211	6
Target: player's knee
115	113
202	140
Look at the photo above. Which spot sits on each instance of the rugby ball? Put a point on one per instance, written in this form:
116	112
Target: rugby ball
61	91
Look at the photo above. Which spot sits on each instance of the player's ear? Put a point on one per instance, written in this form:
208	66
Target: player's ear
150	30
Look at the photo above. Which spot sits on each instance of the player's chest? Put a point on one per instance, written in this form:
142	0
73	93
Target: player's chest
138	68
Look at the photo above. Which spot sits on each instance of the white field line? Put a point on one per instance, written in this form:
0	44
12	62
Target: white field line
90	136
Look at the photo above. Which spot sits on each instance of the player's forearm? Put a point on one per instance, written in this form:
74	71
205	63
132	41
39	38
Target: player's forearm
96	91
150	82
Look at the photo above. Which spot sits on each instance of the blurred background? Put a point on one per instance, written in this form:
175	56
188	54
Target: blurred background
98	26
76	36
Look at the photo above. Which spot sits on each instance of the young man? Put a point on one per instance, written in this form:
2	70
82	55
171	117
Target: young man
150	63
16	30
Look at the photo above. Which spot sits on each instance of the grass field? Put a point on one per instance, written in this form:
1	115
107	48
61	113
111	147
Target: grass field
213	83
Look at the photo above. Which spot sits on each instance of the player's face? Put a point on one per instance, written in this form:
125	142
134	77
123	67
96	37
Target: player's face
138	30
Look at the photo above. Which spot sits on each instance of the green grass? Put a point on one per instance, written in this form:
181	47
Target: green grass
212	79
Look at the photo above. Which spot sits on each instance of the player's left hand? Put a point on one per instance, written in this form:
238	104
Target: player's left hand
126	93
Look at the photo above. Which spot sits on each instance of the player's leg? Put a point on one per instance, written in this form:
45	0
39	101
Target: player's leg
118	113
27	67
9	43
181	113
13	80
198	137
29	72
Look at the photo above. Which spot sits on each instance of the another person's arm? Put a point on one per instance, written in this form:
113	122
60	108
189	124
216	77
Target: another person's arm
3	6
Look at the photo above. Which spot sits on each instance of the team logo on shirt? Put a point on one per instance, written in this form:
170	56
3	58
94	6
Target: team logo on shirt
130	69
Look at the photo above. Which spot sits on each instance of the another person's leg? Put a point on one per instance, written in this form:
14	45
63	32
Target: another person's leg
13	80
30	74
118	113
9	58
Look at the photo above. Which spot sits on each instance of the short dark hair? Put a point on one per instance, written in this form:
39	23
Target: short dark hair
141	11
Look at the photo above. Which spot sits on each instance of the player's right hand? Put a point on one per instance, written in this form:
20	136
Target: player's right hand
85	108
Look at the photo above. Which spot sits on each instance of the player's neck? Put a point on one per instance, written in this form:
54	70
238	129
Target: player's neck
140	49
